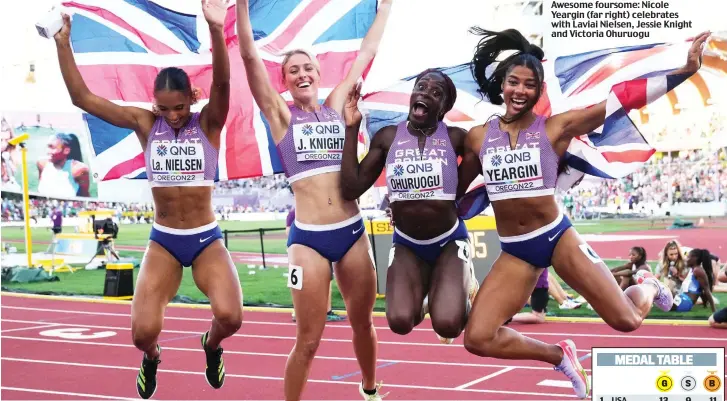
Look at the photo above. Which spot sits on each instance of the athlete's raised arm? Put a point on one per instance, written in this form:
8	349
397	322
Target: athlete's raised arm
268	99
134	118
566	126
367	52
214	114
358	178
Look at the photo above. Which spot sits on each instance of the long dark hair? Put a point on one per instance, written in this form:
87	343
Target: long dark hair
489	47
704	258
173	79
71	141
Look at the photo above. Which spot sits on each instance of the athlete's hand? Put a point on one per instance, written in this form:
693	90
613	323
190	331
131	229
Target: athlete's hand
694	56
215	12
390	216
351	112
64	35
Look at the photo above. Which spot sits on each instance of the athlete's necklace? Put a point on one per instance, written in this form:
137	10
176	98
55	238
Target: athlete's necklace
422	130
421	150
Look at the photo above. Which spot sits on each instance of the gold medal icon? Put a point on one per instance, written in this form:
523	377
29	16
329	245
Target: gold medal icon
664	382
712	382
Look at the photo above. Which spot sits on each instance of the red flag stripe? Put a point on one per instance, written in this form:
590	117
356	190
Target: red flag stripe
631	94
127	167
629	156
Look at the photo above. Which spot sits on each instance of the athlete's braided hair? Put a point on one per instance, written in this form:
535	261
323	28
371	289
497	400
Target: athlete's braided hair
489	47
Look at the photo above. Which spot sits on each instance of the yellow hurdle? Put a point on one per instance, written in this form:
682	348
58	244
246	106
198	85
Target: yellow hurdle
53	265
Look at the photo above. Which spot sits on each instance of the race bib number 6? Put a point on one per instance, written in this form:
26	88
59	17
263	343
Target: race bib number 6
295	277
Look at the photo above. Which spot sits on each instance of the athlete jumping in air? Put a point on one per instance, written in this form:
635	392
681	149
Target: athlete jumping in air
430	268
185	230
518	154
327	228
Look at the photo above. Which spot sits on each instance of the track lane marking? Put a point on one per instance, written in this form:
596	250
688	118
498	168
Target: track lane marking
481	379
276	378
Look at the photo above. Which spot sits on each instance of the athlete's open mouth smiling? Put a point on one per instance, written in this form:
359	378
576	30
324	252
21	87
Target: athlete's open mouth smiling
420	109
518	104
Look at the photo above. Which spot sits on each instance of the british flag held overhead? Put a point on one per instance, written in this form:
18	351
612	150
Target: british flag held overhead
120	45
629	78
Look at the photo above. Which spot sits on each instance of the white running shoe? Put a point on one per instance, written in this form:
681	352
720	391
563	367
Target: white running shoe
569	304
370	397
425	306
663	299
571	367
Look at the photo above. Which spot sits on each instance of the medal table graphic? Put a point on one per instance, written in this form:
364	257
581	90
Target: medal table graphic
658	374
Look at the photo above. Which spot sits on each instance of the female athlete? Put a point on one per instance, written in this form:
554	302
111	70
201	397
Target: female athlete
699	282
177	143
430	256
327	228
63	173
518	155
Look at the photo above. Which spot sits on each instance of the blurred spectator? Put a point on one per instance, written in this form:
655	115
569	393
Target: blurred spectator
687	176
57	220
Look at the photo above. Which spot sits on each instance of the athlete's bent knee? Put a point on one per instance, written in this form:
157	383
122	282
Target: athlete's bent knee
449	326
231	319
306	349
625	323
479	342
361	325
144	335
400	323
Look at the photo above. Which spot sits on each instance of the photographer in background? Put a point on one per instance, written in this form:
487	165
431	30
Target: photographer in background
108	226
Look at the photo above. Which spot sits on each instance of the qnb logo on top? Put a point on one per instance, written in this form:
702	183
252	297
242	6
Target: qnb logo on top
162	150
496	160
322	129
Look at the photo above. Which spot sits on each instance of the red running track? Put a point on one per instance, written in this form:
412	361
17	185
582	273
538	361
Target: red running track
62	349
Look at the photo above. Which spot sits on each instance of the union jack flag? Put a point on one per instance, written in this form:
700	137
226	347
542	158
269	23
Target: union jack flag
120	46
628	78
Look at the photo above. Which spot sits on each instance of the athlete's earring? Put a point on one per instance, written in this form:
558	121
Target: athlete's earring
155	109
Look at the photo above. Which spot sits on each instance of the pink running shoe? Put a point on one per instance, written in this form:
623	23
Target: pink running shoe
663	299
571	367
